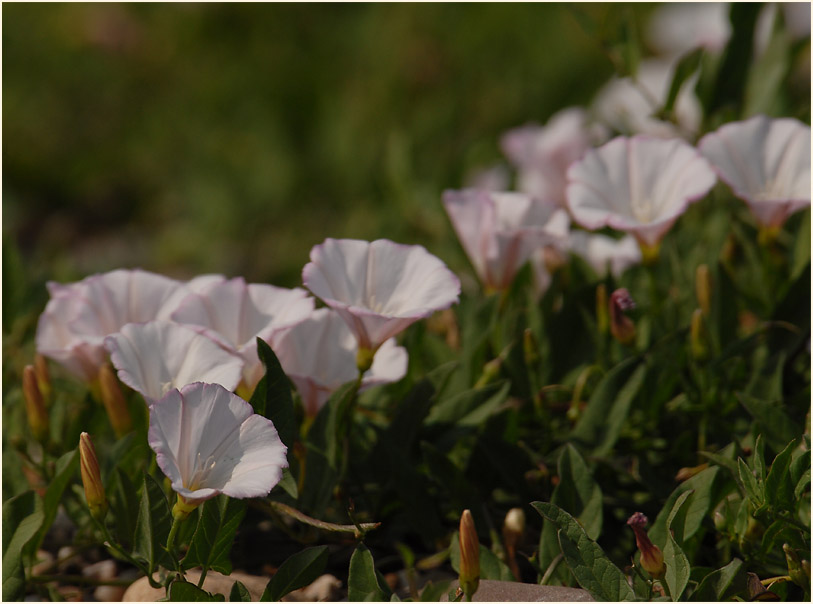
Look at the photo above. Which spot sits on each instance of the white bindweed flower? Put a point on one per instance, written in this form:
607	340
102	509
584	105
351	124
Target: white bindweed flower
766	162
209	441
236	313
153	358
628	105
319	355
605	254
677	28
80	315
379	288
500	231
542	154
638	185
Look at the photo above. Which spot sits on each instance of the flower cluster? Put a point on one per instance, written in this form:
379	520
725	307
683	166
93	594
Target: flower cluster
184	346
638	184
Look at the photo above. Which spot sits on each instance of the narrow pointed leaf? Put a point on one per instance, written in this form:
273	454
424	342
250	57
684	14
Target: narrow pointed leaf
66	467
288	484
722	584
22	518
152	526
183	591
363	582
591	567
749	482
215	534
296	572
239	593
273	395
677	564
778	484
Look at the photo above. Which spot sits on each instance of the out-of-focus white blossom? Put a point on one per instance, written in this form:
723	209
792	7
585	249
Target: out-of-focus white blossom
766	162
319	355
153	358
638	185
628	106
500	231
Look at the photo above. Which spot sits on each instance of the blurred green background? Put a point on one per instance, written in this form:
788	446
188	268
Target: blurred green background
191	138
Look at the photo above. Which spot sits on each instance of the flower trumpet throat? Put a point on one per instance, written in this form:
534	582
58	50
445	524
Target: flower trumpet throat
469	555
34	405
91	478
651	555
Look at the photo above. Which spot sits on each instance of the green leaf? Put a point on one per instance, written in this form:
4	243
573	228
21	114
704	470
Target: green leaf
685	68
772	420
298	571
801	252
722	584
239	593
124	502
778	484
491	567
288	484
758	460
753	489
212	541
696	508
152	526
470	407
22	518
591	567
593	427
579	495
65	470
272	397
432	592
364	583
619	411
729	86
677	564
183	591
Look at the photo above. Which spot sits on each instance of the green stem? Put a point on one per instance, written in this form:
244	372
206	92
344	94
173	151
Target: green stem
173	533
115	547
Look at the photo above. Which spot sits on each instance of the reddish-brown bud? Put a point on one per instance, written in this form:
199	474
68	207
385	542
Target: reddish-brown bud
621	326
651	555
469	555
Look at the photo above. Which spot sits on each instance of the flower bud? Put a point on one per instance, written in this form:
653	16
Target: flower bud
702	288
43	377
602	319
699	336
513	530
114	402
795	570
469	555
91	478
490	372
530	347
621	326
687	473
651	555
34	405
